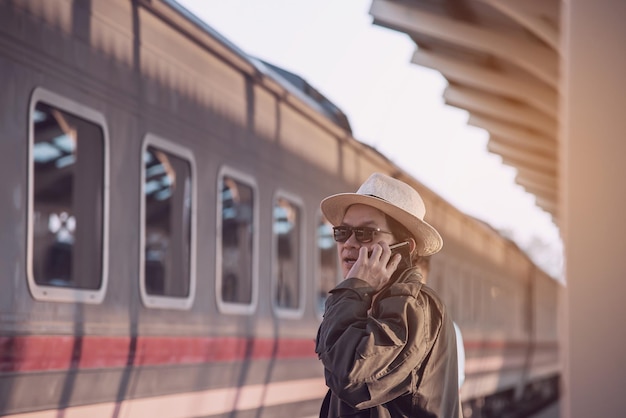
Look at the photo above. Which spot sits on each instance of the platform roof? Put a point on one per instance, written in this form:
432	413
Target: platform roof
501	61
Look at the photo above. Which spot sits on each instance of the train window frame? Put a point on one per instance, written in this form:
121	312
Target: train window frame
283	312
319	309
159	301
56	293
227	307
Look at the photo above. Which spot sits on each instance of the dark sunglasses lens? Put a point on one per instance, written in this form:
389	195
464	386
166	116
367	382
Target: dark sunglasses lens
342	233
364	234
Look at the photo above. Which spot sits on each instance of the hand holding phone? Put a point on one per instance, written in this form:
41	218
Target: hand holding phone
377	274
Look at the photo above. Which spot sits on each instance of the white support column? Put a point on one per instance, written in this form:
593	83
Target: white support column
593	207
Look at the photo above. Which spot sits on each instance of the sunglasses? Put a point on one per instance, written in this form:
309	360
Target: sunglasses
363	234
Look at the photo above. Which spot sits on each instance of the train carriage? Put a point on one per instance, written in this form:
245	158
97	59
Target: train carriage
163	252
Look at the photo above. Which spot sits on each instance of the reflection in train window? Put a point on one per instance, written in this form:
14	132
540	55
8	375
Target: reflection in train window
286	259
236	244
328	274
67	260
167	214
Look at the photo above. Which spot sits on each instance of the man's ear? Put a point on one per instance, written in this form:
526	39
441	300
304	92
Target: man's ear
412	245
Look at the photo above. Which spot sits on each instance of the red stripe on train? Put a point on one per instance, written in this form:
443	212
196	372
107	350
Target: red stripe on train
42	353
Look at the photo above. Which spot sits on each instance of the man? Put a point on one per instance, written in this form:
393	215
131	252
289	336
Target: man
386	341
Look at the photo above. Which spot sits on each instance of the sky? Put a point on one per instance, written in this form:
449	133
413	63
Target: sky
393	105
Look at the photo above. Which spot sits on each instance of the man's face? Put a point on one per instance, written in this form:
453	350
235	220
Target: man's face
361	216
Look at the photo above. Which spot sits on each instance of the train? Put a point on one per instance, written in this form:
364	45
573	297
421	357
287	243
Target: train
163	253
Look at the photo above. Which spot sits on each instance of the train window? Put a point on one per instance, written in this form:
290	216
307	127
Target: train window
477	299
67	200
287	271
328	273
452	287
494	304
167	273
236	284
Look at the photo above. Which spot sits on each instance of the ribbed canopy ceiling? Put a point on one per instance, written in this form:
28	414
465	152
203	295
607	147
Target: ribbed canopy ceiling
501	61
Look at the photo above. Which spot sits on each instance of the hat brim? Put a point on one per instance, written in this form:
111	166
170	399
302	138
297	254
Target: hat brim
428	239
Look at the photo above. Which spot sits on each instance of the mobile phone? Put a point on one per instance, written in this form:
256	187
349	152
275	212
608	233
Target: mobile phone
404	249
398	247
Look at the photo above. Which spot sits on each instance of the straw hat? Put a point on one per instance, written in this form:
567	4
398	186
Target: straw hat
394	198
